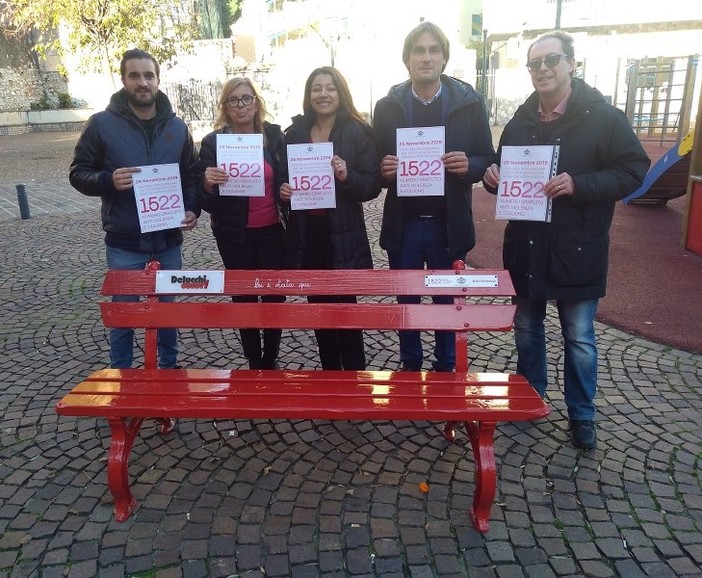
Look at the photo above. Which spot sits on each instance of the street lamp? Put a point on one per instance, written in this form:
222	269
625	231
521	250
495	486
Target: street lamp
483	85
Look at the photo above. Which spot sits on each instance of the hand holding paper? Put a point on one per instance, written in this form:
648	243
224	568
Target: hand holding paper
311	174
560	185
240	156
522	180
159	197
456	162
421	159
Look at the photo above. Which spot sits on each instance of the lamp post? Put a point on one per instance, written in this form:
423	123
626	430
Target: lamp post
483	85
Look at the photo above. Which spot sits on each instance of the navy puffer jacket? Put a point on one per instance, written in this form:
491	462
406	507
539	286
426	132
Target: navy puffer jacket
115	138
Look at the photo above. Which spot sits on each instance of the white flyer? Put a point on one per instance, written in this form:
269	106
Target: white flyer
524	170
159	197
311	176
420	172
241	157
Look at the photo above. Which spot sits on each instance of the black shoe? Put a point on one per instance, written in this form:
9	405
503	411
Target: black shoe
268	363
442	369
411	367
584	433
255	364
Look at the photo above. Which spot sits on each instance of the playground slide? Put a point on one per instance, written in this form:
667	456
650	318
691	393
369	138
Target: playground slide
667	178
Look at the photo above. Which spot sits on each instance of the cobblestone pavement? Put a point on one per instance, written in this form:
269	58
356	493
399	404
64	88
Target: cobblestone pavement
317	498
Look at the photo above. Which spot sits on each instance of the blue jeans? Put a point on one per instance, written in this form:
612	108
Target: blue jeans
580	351
122	340
424	240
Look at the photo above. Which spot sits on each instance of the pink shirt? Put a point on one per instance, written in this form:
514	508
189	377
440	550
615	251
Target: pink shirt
262	210
558	112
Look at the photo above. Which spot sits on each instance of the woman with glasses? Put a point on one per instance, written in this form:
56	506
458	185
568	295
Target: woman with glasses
250	231
335	238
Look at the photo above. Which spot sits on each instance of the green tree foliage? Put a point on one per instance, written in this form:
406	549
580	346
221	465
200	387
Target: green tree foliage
99	31
215	20
217	16
234	9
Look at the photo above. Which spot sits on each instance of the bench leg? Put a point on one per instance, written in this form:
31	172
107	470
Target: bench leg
481	435
449	430
124	431
167	425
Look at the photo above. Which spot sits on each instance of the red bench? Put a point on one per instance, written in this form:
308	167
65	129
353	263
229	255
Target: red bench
479	400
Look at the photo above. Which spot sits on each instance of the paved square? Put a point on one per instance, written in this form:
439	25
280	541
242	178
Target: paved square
316	498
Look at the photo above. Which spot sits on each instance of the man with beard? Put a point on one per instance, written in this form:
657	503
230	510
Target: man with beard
137	128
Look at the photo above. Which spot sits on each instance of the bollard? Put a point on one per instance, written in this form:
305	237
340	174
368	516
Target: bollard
23	201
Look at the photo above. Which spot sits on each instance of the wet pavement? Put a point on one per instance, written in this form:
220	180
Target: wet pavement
314	498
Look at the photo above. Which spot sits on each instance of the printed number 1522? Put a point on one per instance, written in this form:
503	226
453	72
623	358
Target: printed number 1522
523	189
160	203
242	169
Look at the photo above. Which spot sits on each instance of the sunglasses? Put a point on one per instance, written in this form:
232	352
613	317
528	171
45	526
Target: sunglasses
550	61
245	100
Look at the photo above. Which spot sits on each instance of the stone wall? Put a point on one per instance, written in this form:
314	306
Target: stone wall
24	86
64	120
23	80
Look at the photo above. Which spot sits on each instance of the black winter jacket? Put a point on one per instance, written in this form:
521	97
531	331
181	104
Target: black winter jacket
229	215
353	142
568	257
115	139
467	130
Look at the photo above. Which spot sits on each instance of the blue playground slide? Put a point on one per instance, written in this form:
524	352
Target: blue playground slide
667	178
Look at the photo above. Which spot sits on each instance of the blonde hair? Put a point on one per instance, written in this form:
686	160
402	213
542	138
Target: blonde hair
230	86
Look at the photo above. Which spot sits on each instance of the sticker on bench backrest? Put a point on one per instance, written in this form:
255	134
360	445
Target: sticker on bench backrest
189	282
460	281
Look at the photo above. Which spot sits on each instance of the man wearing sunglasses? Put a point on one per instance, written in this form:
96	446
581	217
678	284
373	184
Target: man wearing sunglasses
565	260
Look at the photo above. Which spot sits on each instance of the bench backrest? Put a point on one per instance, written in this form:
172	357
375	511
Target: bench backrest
377	308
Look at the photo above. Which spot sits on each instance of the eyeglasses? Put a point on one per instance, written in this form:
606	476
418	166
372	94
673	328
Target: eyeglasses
550	61
246	100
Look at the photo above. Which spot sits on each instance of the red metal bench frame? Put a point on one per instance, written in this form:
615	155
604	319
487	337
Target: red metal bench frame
479	400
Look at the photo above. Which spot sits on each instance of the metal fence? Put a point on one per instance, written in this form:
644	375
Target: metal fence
660	94
194	100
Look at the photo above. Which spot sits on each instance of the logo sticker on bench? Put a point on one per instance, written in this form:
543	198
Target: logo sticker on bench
171	282
460	281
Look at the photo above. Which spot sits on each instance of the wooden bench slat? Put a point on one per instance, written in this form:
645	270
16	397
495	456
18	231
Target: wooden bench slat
202	374
296	385
368	316
303	406
300	394
402	381
313	282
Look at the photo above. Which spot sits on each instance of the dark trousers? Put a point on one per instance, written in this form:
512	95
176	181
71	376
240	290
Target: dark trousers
338	349
424	241
263	248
